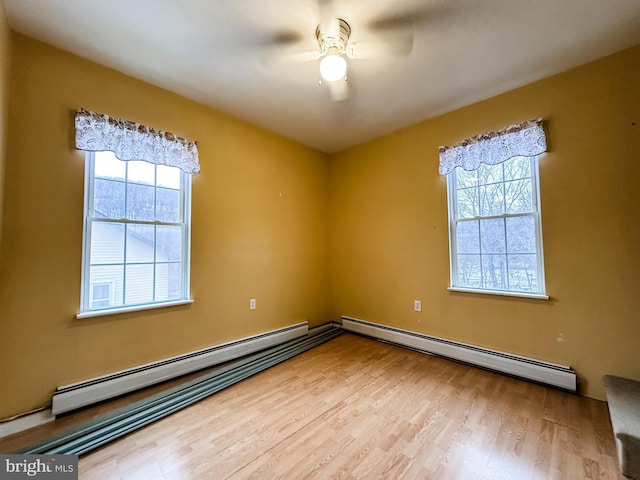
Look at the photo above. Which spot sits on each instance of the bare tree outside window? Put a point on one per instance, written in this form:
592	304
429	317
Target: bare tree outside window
495	227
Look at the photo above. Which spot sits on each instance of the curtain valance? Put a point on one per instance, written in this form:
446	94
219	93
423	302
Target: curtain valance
525	139
97	132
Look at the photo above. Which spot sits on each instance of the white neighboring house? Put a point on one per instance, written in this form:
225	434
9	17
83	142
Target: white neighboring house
144	283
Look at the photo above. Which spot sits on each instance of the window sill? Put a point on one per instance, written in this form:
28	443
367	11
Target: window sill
539	296
132	308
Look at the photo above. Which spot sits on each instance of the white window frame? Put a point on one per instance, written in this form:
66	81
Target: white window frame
535	214
86	288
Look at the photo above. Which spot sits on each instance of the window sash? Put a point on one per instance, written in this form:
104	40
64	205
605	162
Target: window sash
90	220
455	220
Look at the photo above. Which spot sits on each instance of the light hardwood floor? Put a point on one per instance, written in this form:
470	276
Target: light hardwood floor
357	408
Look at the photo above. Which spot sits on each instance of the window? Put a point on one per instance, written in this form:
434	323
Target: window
101	295
494	228
136	235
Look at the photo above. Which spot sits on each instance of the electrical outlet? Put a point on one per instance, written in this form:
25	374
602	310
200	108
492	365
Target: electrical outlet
252	304
417	305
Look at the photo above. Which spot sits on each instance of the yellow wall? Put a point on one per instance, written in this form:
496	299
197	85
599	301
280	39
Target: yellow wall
362	233
5	50
260	230
389	240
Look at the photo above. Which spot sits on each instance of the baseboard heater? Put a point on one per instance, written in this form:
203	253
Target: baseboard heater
547	373
111	426
77	395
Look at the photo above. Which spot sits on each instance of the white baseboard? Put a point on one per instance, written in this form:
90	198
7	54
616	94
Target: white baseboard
25	422
71	397
560	376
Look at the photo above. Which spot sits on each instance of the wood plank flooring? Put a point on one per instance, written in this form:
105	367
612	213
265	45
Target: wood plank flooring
357	408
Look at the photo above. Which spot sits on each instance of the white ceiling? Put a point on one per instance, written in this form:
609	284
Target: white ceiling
235	55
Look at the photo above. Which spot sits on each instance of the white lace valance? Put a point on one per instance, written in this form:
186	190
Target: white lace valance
522	140
96	132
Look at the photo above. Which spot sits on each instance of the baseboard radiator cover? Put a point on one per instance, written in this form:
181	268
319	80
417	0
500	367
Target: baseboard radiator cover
71	397
113	425
25	421
559	376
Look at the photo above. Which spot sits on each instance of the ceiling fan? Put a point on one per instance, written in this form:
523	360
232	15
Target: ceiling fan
333	34
333	42
333	45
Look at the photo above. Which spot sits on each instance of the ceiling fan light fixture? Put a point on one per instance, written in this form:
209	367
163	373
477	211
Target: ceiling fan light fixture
335	37
333	68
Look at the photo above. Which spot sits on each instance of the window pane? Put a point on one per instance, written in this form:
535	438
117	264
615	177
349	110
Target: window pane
489	174
494	272
107	243
101	291
516	168
521	235
140	200
175	281
466	179
108	199
169	243
112	274
469	271
168	281
140	243
492	236
519	196
167	205
468	237
491	200
97	303
168	176
467	203
100	295
523	274
141	172
139	284
108	166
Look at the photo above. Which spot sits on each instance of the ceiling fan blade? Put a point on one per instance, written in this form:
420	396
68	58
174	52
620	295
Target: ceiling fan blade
401	19
394	46
339	90
291	57
394	21
325	11
333	28
329	24
299	57
284	37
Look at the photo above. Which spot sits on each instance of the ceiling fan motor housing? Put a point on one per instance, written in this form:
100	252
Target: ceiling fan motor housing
334	42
